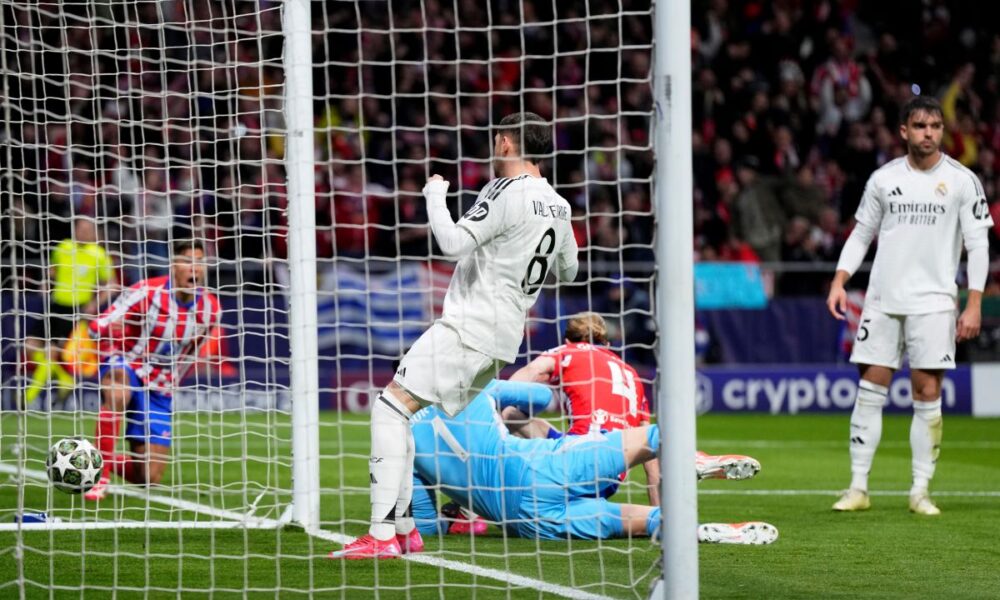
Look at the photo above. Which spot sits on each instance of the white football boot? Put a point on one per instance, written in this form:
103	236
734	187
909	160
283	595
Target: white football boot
725	466
750	533
921	504
853	500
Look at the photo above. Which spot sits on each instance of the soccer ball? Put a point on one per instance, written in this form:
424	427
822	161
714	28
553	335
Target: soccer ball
74	465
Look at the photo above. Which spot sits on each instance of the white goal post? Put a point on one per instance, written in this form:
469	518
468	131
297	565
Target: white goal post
292	138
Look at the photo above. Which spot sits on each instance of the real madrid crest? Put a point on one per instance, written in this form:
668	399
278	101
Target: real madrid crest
941	190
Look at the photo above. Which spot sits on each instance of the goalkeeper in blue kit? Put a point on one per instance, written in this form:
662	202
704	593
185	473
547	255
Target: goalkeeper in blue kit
539	488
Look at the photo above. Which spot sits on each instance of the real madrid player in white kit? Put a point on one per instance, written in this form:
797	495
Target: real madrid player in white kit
516	233
922	206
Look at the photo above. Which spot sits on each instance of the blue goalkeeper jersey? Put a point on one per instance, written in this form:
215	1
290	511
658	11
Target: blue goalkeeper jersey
472	457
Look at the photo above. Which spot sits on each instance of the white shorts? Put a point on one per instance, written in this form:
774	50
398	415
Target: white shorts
929	340
440	369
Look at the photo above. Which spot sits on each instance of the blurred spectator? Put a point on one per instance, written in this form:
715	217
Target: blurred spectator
761	219
803	96
800	246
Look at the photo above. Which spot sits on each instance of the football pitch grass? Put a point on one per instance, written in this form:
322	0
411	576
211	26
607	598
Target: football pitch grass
882	553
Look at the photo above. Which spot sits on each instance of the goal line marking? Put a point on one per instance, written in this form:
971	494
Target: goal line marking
504	576
240	520
952	493
142	494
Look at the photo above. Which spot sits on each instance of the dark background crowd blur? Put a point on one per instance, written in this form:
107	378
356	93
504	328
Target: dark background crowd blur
164	119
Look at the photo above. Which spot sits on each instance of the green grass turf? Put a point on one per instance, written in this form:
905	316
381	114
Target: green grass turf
886	552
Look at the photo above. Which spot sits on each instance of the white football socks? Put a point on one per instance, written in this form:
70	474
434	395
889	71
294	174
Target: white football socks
404	515
925	441
866	431
387	466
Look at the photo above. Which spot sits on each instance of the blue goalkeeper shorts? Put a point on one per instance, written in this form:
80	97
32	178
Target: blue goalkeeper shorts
148	416
562	494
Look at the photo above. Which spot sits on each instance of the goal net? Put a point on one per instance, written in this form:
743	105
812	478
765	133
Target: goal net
131	125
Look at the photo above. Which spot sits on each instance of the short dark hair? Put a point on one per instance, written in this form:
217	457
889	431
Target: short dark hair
928	104
183	245
531	134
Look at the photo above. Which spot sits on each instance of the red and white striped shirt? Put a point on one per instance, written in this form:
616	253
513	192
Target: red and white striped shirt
157	335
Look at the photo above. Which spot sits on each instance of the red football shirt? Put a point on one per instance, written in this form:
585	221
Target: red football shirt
603	390
157	335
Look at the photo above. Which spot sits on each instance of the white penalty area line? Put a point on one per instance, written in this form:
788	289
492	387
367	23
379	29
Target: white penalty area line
235	519
504	576
953	494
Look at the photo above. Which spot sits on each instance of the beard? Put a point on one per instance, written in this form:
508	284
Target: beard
917	150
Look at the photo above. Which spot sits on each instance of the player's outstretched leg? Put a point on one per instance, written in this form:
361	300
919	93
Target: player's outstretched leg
866	433
725	466
752	533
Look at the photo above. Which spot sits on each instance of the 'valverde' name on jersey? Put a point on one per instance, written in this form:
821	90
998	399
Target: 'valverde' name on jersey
920	217
522	230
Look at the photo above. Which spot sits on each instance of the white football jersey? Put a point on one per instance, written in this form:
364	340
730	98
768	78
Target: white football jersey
920	217
522	230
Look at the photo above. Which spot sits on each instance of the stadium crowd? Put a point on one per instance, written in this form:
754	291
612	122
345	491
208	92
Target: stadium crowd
156	129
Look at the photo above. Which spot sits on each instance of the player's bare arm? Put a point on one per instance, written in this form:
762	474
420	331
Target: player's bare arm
836	301
652	470
971	318
539	370
855	249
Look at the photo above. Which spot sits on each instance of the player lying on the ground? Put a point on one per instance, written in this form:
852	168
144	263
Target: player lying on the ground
149	337
604	393
542	488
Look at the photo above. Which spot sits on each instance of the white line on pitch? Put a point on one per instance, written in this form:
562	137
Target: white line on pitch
142	494
239	519
504	576
739	444
90	525
954	494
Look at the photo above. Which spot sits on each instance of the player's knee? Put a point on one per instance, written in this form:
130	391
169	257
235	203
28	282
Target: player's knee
154	473
156	463
402	396
926	391
876	374
113	398
115	378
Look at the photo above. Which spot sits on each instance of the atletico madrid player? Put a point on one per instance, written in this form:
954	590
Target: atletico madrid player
604	391
148	339
605	394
